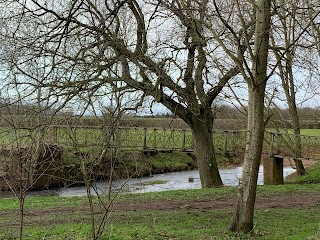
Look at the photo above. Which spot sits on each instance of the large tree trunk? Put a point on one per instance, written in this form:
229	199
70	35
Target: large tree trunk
202	133
243	217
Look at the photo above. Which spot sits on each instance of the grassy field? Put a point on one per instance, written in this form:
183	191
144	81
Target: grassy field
292	216
130	137
311	132
313	176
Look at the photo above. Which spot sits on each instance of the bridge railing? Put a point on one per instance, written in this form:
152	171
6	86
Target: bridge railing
154	138
275	143
142	138
229	141
293	145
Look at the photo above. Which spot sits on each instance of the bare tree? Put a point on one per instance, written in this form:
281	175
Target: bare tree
290	45
24	155
171	51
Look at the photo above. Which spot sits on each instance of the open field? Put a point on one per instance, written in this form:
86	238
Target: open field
129	138
154	137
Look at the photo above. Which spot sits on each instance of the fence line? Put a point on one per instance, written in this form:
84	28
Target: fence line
275	143
142	138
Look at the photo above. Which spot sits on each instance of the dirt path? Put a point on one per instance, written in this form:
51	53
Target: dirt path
278	201
287	200
76	214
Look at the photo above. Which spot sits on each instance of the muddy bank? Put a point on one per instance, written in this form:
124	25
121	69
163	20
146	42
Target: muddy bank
55	172
61	172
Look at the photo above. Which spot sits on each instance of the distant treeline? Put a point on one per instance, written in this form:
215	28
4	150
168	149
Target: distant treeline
230	112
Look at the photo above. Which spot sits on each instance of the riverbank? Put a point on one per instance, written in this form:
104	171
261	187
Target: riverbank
69	168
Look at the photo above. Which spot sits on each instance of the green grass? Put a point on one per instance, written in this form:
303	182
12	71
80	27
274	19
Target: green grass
170	161
152	183
191	225
310	132
176	195
302	224
91	139
313	175
131	138
89	142
33	202
194	224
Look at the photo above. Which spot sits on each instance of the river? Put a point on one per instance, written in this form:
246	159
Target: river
167	181
156	183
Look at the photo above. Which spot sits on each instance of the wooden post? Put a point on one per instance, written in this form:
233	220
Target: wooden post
183	148
279	146
85	135
53	135
233	141
225	142
172	146
155	138
273	170
271	145
145	138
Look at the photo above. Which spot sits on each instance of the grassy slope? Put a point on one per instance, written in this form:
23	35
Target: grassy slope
313	175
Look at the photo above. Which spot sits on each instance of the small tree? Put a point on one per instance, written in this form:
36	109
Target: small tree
24	155
243	217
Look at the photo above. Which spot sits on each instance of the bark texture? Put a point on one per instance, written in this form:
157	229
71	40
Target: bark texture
243	217
204	150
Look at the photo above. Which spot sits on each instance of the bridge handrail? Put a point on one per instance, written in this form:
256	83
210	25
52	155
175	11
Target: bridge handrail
181	139
158	138
296	146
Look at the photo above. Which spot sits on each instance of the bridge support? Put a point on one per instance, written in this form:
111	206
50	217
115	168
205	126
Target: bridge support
273	170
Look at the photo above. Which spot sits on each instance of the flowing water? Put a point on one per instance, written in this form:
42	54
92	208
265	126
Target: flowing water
156	183
167	181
